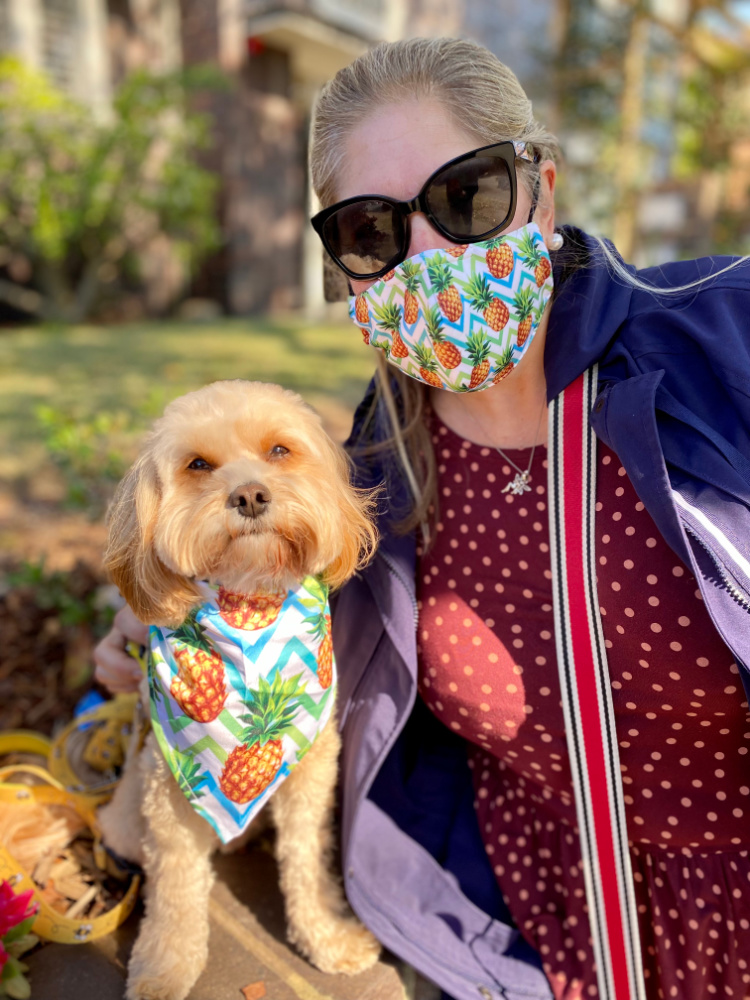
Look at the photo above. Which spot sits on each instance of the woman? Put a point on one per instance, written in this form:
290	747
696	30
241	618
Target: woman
461	847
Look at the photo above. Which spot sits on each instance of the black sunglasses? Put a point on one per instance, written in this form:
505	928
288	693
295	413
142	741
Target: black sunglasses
468	199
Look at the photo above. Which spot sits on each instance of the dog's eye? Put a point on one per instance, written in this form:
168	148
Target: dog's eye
200	465
278	450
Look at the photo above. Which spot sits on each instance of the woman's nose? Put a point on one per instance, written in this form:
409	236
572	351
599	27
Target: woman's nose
424	236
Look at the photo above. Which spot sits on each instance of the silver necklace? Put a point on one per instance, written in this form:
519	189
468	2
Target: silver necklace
520	482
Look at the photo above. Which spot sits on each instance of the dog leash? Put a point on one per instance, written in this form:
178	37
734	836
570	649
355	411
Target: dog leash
586	695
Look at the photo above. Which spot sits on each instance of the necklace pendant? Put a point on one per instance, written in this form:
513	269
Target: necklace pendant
519	485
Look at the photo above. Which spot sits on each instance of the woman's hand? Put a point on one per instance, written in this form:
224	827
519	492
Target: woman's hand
115	669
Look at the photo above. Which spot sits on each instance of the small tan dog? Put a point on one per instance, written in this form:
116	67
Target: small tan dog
240	486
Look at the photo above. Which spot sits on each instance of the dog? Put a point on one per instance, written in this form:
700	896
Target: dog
224	537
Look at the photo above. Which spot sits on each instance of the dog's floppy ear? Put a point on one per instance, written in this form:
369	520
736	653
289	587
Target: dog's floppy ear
356	534
157	595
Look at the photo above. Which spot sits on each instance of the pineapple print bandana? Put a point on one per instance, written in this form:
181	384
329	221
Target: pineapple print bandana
239	692
461	318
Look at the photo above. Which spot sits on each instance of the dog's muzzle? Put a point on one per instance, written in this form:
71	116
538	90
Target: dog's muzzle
250	499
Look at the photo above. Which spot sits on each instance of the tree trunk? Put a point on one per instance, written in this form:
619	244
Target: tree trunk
57	295
630	148
87	291
712	179
559	35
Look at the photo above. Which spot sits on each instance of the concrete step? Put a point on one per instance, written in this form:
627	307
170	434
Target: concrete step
248	953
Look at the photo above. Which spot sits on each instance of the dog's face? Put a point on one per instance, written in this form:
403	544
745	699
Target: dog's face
239	484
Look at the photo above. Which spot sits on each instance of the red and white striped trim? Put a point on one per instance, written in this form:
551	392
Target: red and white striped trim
586	694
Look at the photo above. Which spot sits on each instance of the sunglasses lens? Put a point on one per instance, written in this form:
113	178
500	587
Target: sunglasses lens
365	236
472	197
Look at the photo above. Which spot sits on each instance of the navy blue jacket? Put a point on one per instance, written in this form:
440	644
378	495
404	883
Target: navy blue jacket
674	404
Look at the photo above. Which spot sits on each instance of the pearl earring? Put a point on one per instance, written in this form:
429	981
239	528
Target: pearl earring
556	241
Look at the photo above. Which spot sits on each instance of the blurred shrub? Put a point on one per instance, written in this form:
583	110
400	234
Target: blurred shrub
92	452
72	596
50	620
80	198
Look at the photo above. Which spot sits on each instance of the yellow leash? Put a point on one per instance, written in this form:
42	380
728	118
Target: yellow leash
99	738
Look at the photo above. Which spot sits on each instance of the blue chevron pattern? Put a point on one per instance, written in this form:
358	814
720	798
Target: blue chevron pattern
282	653
497	326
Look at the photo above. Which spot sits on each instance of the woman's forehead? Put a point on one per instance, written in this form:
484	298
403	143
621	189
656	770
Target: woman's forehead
395	149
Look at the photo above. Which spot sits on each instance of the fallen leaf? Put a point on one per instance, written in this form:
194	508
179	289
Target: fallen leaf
255	991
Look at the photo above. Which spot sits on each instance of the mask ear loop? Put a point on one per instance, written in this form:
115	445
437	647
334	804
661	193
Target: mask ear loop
534	199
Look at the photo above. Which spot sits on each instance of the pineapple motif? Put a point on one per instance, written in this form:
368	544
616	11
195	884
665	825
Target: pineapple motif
447	353
478	349
542	271
524	305
534	258
411	272
252	766
458	251
360	309
388	274
448	295
249	612
200	685
496	313
428	365
388	317
362	314
499	258
506	366
320	627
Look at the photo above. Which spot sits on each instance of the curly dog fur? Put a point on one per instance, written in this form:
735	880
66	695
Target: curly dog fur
172	523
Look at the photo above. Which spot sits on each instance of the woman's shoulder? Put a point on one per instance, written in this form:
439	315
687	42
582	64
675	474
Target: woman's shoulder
600	259
605	307
717	272
695	309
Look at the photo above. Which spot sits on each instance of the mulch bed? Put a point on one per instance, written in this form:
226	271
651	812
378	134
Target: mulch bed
46	661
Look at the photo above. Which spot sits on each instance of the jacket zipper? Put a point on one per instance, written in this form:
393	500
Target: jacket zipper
394	571
736	593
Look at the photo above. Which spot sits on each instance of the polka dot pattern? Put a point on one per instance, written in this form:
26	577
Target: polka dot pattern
488	671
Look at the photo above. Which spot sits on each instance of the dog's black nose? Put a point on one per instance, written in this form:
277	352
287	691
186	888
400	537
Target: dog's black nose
250	499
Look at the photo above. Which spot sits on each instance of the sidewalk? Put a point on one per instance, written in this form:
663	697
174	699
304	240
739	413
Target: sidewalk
247	952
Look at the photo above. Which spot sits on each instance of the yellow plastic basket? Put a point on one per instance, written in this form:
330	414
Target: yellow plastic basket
53	789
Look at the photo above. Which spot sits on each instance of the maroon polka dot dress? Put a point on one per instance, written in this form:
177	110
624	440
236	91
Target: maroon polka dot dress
488	671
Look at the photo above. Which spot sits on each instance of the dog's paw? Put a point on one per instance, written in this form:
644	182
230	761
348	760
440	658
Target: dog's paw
164	986
165	976
341	946
147	988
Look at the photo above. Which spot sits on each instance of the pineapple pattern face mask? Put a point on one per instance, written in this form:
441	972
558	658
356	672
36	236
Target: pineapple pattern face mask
239	692
462	318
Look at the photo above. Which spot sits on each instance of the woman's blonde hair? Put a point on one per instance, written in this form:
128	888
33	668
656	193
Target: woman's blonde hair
485	99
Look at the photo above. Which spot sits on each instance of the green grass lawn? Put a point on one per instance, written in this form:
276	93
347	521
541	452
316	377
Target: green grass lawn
123	376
